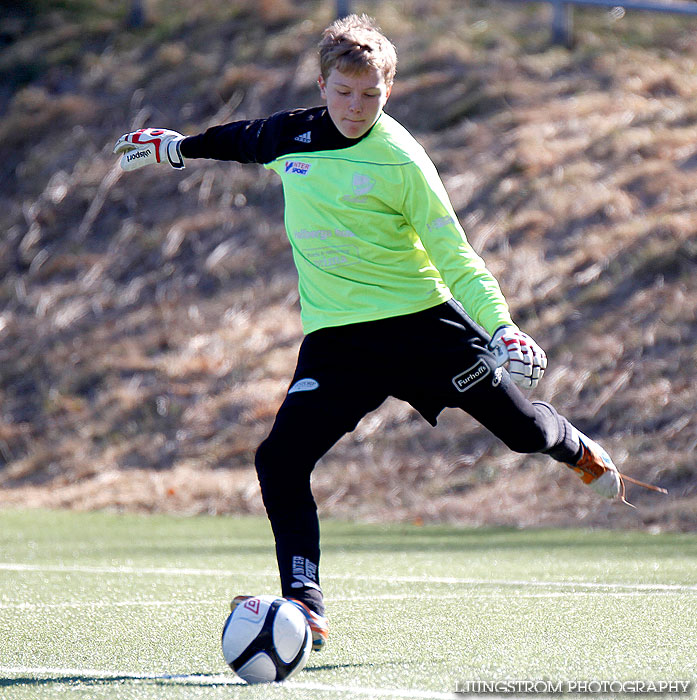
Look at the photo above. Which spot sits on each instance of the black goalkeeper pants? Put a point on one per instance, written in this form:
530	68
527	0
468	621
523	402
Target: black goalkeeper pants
433	359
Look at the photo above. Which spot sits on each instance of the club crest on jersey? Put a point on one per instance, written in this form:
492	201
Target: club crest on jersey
295	167
362	185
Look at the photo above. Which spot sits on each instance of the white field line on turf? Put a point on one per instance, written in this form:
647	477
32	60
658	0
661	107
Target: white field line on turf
56	568
516	583
226	679
475	595
108	604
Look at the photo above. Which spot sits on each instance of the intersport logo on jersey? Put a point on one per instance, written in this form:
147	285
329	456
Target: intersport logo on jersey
295	167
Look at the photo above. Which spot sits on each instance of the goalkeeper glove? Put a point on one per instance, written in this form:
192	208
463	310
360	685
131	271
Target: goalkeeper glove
147	146
526	359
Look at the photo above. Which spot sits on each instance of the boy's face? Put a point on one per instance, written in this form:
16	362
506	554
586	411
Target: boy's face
354	102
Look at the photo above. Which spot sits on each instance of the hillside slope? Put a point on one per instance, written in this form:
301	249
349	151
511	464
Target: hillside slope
149	322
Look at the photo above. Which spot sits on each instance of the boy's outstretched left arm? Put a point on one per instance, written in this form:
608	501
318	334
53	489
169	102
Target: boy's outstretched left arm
428	209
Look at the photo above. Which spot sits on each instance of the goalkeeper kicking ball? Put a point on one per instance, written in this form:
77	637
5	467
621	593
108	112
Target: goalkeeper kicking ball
266	639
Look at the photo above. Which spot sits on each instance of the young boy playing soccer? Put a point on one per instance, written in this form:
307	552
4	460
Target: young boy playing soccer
394	300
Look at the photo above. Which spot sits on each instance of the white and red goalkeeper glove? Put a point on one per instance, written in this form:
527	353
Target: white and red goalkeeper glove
147	146
526	359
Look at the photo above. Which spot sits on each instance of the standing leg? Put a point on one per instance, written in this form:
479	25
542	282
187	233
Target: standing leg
323	403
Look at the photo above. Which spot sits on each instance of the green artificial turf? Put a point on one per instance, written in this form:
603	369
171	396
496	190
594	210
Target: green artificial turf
96	605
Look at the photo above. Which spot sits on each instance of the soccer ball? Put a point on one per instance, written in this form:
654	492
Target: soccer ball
266	639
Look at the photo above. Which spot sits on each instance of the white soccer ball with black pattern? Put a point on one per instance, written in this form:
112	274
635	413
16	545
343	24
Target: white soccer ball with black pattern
266	639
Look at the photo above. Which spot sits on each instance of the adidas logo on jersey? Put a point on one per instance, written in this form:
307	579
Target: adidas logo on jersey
304	138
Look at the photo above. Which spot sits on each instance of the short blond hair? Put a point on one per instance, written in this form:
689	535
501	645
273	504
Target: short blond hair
353	44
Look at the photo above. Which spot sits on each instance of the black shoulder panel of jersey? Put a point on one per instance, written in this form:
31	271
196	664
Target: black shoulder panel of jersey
263	140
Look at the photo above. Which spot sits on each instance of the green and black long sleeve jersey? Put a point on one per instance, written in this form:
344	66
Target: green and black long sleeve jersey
372	228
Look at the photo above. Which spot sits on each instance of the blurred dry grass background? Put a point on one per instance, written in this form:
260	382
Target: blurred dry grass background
149	321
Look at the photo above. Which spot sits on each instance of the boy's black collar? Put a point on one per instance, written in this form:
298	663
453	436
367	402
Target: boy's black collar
335	134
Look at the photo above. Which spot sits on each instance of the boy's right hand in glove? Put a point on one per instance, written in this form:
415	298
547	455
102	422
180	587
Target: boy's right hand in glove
146	146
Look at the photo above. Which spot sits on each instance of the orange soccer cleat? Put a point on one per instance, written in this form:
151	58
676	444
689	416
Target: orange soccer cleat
596	468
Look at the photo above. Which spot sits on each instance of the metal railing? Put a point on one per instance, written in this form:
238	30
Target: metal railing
562	12
343	8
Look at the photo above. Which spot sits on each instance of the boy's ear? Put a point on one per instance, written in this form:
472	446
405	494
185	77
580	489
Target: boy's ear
322	86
